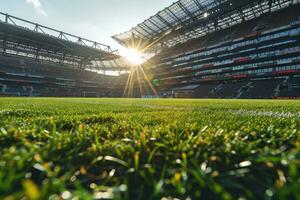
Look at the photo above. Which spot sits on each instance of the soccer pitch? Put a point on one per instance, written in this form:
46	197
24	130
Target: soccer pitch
149	149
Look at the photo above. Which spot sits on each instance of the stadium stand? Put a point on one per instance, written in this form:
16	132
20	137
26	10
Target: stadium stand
24	77
36	60
222	49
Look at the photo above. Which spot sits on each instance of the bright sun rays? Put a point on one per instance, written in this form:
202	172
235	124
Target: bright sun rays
138	80
133	56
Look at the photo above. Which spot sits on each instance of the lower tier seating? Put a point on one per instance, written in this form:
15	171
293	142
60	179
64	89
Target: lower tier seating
25	77
282	87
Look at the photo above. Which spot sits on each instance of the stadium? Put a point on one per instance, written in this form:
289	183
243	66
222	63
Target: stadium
203	104
232	49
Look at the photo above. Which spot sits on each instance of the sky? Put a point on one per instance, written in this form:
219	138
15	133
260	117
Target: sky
97	20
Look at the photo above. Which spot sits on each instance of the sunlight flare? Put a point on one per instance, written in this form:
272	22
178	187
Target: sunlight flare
133	56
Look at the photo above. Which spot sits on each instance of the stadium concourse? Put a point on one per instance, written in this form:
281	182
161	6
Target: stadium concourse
222	49
199	49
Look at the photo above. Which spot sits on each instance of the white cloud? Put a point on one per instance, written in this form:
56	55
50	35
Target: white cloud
37	6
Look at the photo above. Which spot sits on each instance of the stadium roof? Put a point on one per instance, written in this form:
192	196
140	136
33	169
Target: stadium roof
22	37
189	19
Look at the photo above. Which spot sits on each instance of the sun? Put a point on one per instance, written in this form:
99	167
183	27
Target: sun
133	56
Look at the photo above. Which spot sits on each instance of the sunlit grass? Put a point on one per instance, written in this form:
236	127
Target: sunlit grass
149	149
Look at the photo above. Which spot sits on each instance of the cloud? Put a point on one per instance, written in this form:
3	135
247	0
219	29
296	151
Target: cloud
37	6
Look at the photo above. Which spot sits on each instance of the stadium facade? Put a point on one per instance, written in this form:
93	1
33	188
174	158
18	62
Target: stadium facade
222	48
36	60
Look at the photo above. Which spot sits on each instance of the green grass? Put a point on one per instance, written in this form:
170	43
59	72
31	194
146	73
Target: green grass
149	149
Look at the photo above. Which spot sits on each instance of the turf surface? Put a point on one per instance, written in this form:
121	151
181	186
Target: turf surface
149	149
